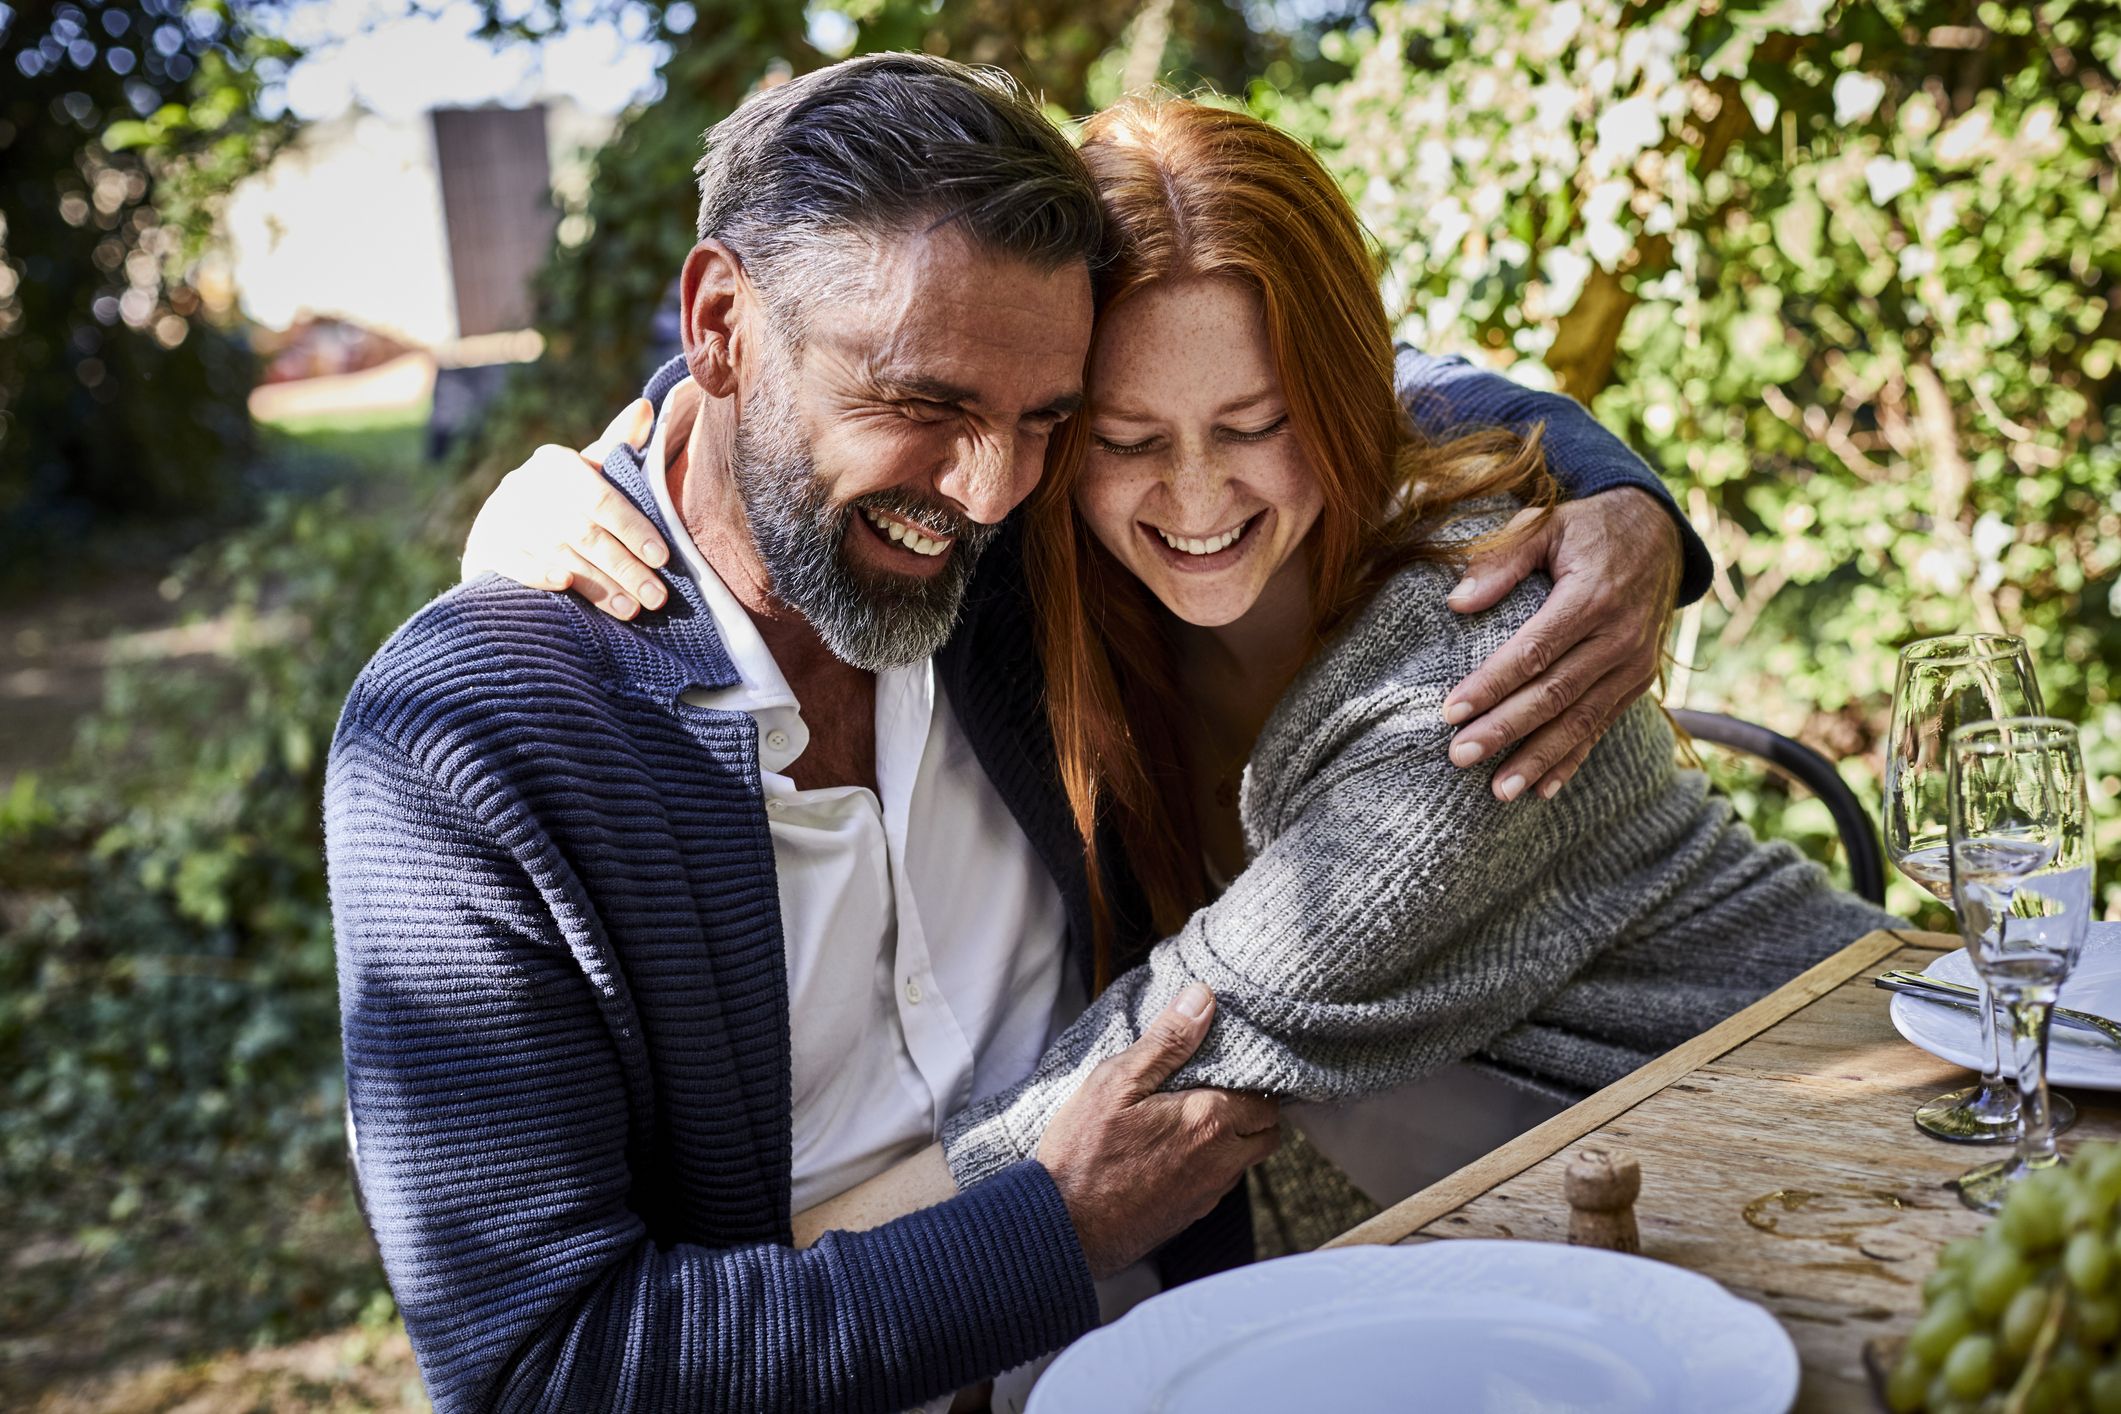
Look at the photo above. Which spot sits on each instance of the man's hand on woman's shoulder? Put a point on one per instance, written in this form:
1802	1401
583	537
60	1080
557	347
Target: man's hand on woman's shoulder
1593	648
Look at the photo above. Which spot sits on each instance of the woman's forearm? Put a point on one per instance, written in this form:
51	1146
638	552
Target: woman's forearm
906	1187
1354	952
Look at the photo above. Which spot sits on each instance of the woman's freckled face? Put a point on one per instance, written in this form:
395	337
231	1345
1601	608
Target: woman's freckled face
1194	479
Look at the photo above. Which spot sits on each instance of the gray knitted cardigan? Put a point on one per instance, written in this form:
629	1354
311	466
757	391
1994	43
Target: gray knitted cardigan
1395	917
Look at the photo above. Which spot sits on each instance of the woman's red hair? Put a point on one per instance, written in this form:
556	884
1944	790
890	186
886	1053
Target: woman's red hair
1194	191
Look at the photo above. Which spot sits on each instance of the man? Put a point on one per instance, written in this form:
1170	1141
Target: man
654	933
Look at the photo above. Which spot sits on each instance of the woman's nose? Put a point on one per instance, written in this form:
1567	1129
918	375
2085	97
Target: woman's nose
1196	473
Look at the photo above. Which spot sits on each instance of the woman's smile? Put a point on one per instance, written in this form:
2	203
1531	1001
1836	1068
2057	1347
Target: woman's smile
1210	553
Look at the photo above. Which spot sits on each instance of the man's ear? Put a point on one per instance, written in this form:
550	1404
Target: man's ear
713	290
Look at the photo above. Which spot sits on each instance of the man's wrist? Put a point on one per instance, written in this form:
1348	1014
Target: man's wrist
1078	1218
1659	510
1653	520
1692	567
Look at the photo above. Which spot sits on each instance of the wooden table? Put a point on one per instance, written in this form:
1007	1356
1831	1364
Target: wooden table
1779	1156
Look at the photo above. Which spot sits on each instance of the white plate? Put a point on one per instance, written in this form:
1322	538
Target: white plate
1454	1327
2075	1059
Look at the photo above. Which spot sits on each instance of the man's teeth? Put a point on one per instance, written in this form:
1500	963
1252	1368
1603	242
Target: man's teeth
905	535
1202	547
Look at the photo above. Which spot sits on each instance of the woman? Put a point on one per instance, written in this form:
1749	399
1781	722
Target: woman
1240	558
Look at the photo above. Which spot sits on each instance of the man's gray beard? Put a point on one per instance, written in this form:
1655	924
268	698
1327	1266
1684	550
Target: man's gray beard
868	620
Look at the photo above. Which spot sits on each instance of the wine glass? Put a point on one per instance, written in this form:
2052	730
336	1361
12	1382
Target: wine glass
1942	683
2021	864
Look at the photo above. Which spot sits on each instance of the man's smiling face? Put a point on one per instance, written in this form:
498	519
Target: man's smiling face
875	460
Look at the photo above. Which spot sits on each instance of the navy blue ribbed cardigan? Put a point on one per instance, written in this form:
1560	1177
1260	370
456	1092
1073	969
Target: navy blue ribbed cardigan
566	1019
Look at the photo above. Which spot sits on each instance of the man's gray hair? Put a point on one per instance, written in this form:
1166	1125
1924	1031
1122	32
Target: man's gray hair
887	145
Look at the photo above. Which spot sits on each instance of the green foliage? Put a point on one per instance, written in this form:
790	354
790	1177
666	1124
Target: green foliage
168	1018
1846	269
121	398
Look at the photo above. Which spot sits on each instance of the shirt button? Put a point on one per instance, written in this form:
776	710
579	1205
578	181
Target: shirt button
774	807
913	991
777	740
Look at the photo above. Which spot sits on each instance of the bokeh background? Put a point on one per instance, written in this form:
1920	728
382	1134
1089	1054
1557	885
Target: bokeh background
1846	271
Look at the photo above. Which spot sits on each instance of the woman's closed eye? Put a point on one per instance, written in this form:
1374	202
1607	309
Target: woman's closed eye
1125	449
1119	448
1256	434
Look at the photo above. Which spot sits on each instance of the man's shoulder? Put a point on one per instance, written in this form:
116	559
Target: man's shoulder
477	646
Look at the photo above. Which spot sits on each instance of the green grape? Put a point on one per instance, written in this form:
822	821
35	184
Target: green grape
2085	1209
1970	1370
1905	1387
1998	1275
2022	1320
1938	1398
1938	1282
2045	1397
2103	1390
2032	1215
2089	1262
2101	1172
1940	1328
1959	1253
2098	1319
2070	1366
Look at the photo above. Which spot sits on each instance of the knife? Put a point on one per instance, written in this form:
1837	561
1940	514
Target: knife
1936	989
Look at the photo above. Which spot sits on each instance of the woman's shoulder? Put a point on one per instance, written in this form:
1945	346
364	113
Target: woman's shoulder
1390	666
1408	632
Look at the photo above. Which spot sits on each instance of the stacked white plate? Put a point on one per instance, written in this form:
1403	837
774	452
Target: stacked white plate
1454	1327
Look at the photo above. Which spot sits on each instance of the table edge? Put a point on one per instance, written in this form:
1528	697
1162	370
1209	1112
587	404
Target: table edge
1452	1192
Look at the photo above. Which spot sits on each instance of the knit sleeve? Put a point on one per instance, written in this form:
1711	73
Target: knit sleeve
1444	393
1348	956
501	1150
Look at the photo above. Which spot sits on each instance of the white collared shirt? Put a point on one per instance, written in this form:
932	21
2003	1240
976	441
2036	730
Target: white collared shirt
925	941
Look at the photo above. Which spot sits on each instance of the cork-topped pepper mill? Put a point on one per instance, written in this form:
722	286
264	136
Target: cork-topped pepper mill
1601	1187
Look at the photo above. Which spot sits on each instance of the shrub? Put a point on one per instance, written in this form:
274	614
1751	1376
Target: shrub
1846	269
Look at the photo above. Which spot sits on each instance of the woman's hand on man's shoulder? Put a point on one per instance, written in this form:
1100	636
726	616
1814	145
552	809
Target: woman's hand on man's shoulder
556	523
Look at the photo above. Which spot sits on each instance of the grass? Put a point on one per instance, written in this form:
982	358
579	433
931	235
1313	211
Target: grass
378	454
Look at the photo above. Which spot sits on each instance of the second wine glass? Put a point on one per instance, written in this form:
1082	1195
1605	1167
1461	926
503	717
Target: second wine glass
2021	863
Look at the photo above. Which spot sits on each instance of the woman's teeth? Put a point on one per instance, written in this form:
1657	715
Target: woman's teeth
906	535
1209	546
